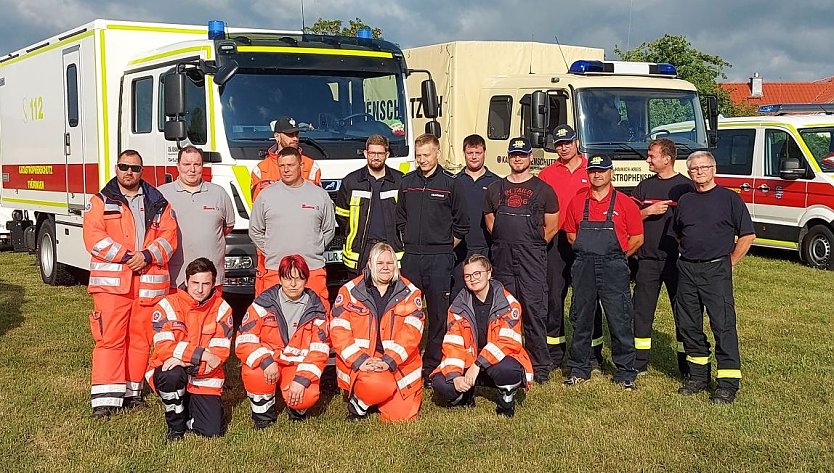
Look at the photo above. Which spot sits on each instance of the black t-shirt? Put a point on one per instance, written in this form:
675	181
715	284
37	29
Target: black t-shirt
519	196
478	237
708	222
482	310
376	221
660	241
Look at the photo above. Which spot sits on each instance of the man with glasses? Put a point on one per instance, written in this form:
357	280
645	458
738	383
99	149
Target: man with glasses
206	215
131	233
522	213
715	233
366	207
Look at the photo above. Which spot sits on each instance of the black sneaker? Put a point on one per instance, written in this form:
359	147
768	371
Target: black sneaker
174	435
691	386
351	417
103	412
134	402
295	416
263	424
627	385
574	380
505	411
723	396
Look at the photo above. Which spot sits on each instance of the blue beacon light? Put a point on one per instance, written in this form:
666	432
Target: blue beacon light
217	29
364	33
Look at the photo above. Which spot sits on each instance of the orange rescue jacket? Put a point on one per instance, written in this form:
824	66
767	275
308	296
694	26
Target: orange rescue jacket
184	329
503	338
353	333
110	237
263	338
267	171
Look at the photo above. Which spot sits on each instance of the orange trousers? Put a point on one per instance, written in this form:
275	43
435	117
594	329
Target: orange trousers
317	282
121	329
255	383
379	388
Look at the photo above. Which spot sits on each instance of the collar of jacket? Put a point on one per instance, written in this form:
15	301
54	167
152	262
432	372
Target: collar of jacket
360	292
364	174
155	202
463	303
187	301
269	301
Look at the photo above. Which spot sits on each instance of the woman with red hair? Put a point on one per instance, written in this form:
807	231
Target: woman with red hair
283	341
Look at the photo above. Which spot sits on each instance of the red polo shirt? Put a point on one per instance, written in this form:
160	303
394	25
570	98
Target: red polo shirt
566	184
627	220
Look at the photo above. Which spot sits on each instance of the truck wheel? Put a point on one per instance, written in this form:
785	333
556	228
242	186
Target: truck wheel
817	247
52	272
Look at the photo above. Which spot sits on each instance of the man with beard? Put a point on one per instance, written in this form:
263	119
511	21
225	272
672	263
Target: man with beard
522	213
366	207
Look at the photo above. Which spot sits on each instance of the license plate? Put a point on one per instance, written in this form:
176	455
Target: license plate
331	257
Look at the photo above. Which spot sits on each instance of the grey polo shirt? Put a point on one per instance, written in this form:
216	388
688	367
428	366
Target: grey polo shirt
292	310
137	210
202	217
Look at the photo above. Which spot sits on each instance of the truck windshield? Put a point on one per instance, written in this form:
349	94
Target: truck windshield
626	120
331	109
819	141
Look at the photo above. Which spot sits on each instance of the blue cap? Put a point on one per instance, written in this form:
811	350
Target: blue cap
563	133
520	145
600	161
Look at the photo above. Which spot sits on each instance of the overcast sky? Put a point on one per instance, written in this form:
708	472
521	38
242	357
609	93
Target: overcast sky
782	40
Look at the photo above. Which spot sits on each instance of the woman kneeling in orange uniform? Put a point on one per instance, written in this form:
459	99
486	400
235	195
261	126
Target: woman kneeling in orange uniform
376	329
283	341
482	344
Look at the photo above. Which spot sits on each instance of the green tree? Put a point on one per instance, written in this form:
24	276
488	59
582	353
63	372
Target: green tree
701	69
337	28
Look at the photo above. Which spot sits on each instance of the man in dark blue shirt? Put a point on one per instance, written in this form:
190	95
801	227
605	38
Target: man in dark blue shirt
473	180
707	222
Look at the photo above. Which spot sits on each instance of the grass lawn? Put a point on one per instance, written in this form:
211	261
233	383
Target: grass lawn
783	418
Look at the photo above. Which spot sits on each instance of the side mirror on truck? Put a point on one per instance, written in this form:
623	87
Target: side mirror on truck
174	90
433	128
712	119
538	118
792	169
429	96
226	72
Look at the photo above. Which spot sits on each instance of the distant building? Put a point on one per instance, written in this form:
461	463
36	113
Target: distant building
757	92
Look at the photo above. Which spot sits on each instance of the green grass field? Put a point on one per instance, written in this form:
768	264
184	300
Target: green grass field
783	418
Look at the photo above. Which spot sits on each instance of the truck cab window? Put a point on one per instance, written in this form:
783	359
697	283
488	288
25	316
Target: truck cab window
500	115
779	145
72	95
195	108
142	98
820	142
734	153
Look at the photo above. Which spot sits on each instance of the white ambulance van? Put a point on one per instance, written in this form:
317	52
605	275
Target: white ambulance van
783	168
70	103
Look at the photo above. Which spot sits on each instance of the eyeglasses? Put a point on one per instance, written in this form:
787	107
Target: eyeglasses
133	167
476	276
701	168
376	155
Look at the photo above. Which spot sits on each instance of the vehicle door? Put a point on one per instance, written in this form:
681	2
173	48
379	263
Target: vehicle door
73	131
734	160
778	203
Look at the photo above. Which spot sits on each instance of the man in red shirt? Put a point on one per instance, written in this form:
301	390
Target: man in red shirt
568	177
605	228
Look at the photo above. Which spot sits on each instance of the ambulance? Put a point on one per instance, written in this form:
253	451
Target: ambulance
782	166
502	89
70	103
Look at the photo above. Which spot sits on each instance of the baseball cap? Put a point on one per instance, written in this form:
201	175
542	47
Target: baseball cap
563	133
520	145
600	161
285	125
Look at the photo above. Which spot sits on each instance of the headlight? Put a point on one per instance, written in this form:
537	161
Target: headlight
238	262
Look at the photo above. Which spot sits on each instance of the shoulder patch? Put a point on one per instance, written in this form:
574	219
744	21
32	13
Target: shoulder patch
515	313
338	300
157	316
418	301
230	321
89	206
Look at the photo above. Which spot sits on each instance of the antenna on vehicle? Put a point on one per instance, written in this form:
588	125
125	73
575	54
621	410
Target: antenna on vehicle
561	52
303	27
532	39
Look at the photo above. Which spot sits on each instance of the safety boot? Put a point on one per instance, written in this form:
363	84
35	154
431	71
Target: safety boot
103	412
693	386
174	435
723	396
296	416
505	403
134	402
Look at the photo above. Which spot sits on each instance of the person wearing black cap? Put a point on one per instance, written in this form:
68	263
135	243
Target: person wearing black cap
522	214
568	177
432	219
605	228
715	233
474	179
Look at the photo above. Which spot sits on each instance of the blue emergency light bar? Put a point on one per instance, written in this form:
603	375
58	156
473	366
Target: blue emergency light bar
788	108
217	29
587	67
364	33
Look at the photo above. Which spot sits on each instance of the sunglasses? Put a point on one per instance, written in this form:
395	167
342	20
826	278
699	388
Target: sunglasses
133	167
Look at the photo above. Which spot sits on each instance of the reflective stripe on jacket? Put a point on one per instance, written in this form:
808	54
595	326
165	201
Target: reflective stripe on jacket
503	337
267	171
263	338
353	211
184	328
110	237
353	333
